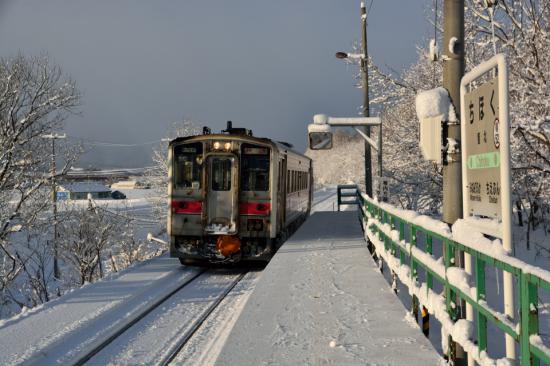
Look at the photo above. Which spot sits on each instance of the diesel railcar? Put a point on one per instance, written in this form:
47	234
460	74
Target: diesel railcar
234	196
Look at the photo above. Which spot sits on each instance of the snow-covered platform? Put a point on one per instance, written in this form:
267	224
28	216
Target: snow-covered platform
322	300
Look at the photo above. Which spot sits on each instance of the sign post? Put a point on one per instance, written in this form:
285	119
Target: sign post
486	181
382	189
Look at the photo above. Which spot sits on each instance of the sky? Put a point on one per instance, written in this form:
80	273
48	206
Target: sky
266	65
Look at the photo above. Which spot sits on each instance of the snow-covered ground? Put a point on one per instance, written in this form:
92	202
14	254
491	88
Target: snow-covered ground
66	328
153	338
322	300
61	329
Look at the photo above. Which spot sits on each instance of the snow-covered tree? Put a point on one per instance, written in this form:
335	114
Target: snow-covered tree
85	237
35	99
343	164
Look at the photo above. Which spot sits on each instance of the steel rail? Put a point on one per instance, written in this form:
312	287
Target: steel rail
86	357
199	322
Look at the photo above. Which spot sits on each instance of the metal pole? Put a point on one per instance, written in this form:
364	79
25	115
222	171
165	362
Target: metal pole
366	102
452	73
53	137
507	238
453	70
380	154
54	202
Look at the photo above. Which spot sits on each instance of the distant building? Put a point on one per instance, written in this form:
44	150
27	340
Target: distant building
80	191
129	184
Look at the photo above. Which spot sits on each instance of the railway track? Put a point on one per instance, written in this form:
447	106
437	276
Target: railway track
187	335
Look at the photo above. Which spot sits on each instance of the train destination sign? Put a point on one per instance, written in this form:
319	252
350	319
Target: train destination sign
481	112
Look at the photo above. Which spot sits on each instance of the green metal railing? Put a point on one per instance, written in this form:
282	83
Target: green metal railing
406	253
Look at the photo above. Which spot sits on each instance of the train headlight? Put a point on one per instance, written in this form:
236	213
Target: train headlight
217	145
227	146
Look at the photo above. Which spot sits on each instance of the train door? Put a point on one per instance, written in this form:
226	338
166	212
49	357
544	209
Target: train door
222	195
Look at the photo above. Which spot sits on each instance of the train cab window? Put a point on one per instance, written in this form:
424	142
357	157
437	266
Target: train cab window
254	168
188	165
221	174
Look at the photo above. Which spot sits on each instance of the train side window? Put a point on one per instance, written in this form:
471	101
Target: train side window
288	181
290	185
188	165
255	168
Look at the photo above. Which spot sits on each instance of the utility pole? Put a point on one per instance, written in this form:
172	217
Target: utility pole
366	101
453	70
53	137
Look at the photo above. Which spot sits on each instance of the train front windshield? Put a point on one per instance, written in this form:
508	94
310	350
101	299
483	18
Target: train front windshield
255	169
188	164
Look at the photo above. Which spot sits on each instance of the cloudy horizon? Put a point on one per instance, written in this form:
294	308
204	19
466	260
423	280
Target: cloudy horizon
267	66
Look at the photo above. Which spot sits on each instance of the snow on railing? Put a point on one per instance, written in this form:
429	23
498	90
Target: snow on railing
386	228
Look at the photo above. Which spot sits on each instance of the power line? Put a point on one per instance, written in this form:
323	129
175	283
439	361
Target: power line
113	144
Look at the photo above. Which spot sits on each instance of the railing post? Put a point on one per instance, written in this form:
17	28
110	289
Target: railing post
450	296
430	284
412	237
429	249
529	319
481	319
401	238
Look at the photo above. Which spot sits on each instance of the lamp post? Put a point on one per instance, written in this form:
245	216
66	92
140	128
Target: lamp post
363	58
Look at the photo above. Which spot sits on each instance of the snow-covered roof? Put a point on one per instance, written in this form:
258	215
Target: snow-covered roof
85	187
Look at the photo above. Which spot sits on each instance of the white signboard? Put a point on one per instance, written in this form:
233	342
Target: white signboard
482	144
486	142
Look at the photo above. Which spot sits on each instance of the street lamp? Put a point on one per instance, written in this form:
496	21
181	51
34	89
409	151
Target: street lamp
363	58
350	56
